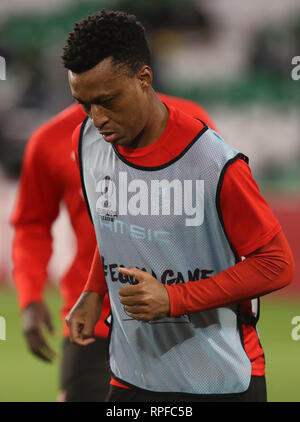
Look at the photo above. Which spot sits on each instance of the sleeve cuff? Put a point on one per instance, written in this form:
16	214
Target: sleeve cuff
26	300
176	292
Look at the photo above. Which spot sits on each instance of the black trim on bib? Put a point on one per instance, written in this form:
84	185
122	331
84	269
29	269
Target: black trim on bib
241	317
81	167
248	319
180	394
258	310
218	194
162	166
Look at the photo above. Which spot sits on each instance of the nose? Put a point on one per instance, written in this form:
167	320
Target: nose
98	116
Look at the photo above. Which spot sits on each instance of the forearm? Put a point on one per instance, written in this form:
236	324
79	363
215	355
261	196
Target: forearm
96	280
32	249
266	270
36	208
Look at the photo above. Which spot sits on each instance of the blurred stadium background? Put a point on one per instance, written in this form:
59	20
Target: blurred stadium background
232	57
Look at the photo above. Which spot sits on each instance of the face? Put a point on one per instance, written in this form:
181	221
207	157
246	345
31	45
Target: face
117	102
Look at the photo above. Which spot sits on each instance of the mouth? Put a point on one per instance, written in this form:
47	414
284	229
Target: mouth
108	136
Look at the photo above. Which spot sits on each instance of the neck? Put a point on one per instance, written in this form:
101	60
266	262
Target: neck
156	124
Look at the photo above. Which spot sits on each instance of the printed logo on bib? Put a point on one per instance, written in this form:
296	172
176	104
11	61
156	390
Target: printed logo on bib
158	197
168	276
106	204
134	231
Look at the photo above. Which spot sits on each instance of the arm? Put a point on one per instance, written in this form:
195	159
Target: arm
84	315
253	232
36	208
75	143
265	270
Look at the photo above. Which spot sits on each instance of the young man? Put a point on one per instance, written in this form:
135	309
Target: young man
175	209
49	176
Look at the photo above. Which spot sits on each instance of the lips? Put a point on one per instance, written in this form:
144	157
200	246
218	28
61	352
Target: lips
108	136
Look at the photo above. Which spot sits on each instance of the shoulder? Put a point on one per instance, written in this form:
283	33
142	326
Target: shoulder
183	124
238	169
57	129
78	131
76	136
185	132
189	107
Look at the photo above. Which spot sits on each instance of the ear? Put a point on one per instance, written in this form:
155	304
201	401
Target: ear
145	77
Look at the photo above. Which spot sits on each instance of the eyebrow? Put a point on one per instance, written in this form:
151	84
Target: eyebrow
101	98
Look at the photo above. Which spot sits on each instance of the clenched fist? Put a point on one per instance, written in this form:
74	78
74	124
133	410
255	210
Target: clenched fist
83	317
146	301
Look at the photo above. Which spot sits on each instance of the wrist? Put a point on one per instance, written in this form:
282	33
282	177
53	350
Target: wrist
26	301
176	295
88	298
168	305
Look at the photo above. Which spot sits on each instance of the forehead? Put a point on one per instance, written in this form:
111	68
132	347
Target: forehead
103	79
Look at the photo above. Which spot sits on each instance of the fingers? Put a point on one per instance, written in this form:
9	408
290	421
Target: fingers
146	301
134	297
49	325
83	341
133	271
132	300
87	333
140	316
139	275
128	291
79	334
136	309
83	317
39	346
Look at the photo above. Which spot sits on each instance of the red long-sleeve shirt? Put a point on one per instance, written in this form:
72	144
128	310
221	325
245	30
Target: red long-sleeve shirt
50	176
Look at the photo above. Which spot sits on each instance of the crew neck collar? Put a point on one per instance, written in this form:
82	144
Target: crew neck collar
140	152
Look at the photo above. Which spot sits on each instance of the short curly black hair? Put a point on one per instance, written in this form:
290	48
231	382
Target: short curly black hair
106	34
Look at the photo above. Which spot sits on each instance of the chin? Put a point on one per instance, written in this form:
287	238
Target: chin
122	142
117	143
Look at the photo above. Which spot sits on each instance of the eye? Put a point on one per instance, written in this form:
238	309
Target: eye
86	107
107	103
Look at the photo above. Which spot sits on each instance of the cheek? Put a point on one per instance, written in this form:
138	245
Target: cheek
133	119
137	123
138	115
131	115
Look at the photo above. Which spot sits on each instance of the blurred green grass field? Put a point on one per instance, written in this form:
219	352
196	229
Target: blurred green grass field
24	378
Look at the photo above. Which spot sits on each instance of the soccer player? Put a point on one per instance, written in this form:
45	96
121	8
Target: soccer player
186	243
49	176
